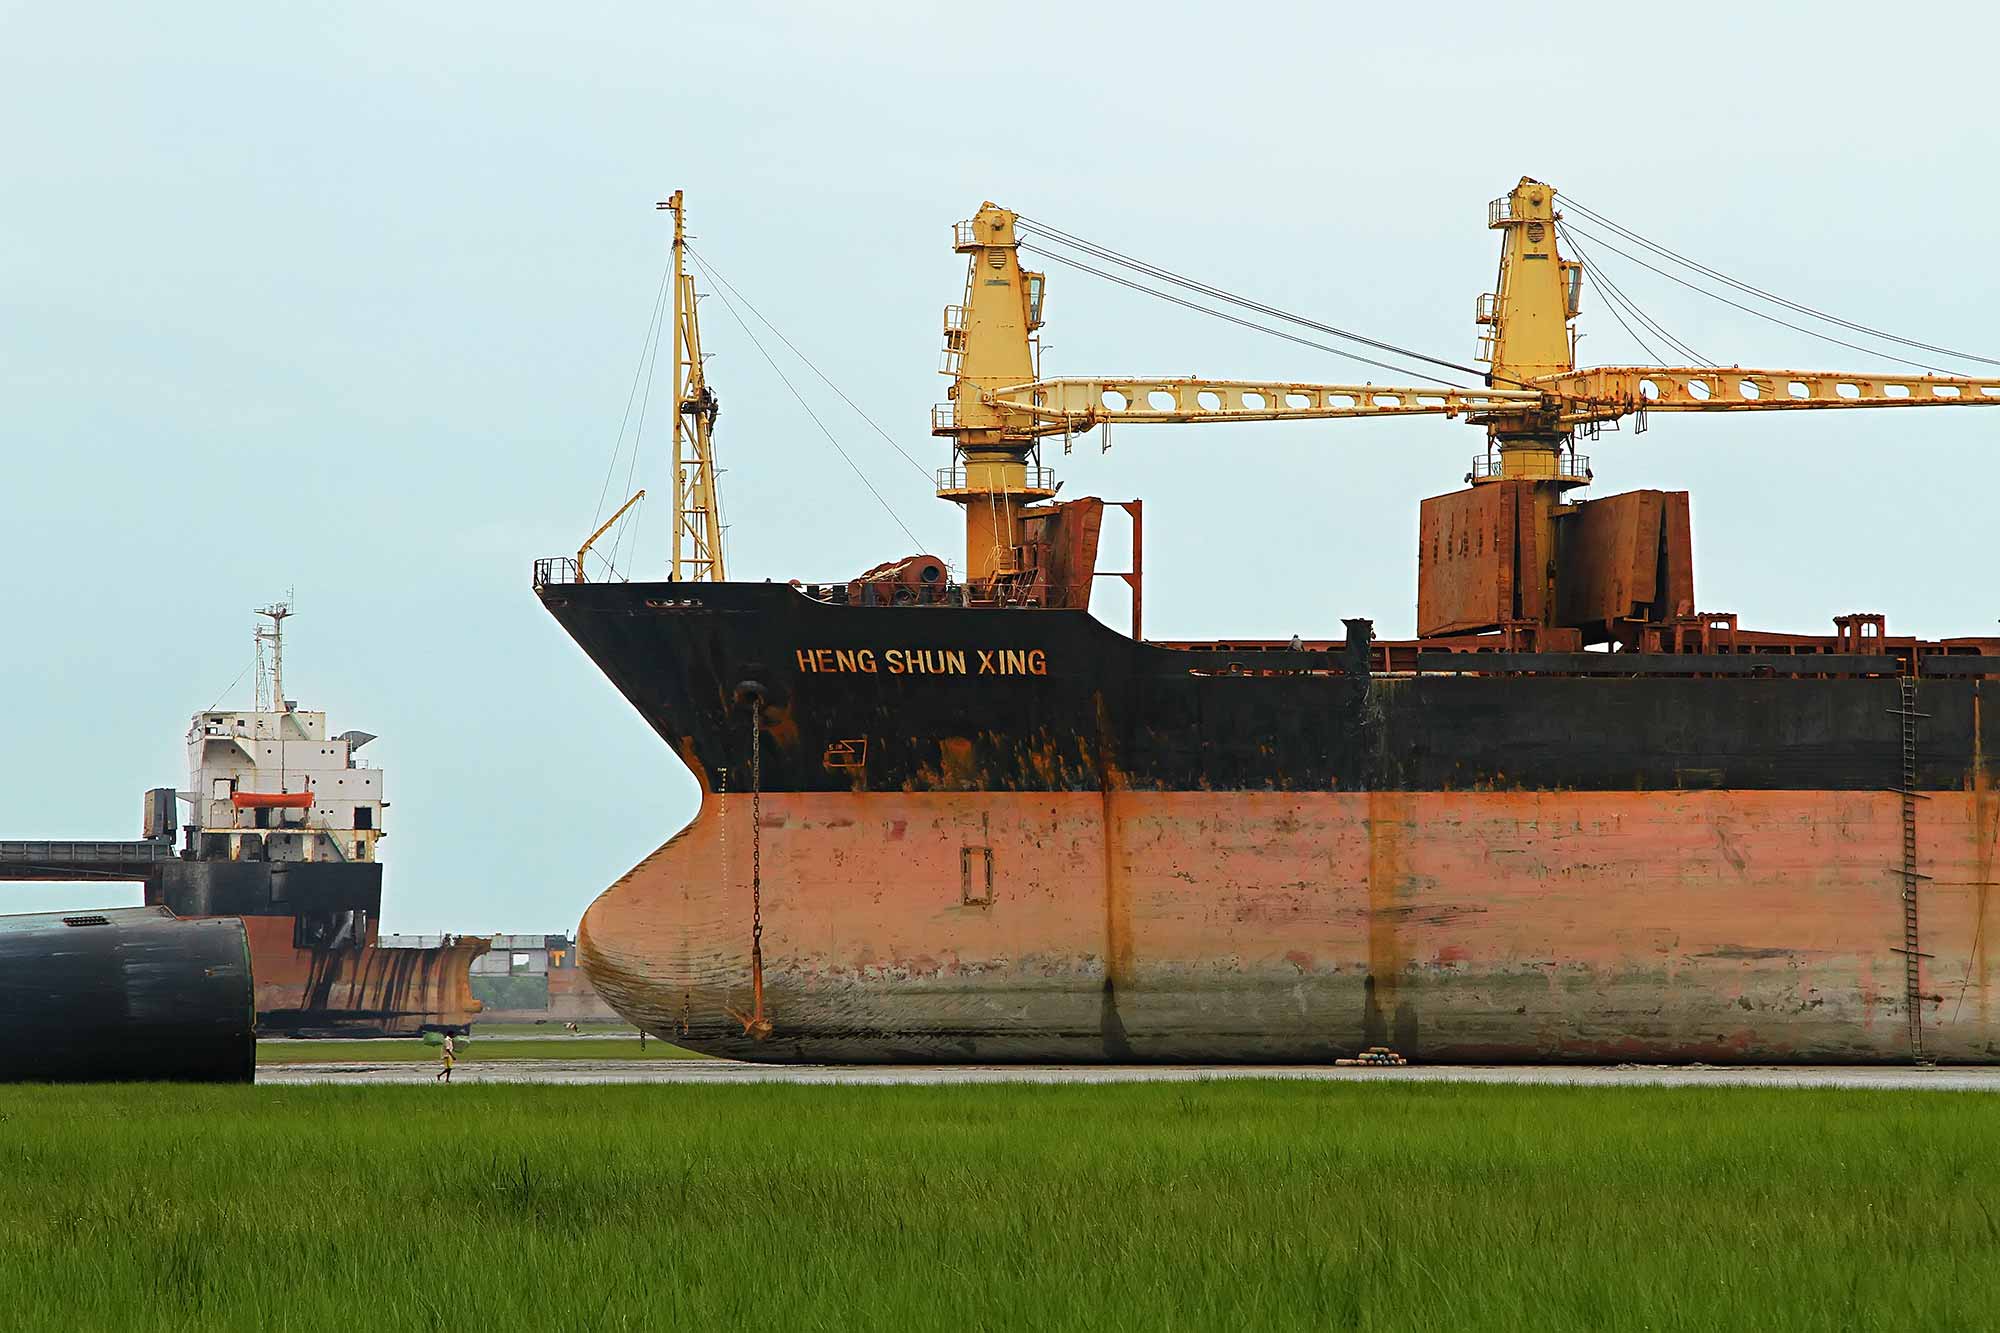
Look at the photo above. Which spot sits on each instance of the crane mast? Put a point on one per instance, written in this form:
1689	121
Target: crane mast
697	515
995	468
1529	312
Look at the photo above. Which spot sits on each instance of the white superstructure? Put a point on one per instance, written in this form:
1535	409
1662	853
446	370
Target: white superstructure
236	757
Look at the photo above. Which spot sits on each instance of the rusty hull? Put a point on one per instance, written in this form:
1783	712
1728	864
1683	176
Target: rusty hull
1467	926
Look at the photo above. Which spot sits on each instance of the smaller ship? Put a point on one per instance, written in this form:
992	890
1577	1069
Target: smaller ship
282	828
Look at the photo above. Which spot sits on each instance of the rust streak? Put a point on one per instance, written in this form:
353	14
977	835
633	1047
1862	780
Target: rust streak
1985	829
1388	815
1117	898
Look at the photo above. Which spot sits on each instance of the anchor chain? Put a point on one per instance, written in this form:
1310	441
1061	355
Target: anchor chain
722	834
757	849
756	1024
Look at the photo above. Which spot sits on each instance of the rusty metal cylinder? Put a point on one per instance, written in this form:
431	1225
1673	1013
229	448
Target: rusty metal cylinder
125	994
913	578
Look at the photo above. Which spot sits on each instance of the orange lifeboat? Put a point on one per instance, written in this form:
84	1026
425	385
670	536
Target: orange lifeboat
271	800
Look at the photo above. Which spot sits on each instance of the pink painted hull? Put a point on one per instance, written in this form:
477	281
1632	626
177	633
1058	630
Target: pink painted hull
1744	926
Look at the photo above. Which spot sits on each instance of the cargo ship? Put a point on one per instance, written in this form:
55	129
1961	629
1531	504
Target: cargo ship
281	832
948	815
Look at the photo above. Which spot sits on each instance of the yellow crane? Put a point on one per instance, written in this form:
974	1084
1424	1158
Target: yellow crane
1535	400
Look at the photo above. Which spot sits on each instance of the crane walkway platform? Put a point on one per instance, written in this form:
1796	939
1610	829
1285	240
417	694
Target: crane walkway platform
44	860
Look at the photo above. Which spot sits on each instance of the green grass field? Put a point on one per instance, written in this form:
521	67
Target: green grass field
398	1050
1220	1205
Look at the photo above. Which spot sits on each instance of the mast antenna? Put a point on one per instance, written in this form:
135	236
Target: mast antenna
271	664
697	514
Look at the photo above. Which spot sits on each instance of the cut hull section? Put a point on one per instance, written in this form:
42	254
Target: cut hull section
365	992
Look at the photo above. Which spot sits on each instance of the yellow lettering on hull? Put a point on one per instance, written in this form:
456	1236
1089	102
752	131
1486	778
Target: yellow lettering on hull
924	661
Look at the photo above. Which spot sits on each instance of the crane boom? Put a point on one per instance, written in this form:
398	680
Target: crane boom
1605	393
603	528
1070	405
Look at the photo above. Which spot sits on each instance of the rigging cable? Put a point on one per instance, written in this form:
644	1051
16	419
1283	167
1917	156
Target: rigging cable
1613	293
1751	310
649	344
227	688
807	407
1772	297
1106	253
1611	304
711	272
1233	319
631	522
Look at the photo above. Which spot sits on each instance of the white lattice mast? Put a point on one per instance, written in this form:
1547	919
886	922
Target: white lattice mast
271	657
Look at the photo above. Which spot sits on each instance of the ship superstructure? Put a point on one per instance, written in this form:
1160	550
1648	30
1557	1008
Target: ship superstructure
273	786
951	816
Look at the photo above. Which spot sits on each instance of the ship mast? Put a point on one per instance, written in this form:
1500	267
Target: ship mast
271	682
697	515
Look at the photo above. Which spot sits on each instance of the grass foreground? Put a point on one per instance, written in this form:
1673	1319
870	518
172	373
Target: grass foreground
400	1050
1218	1205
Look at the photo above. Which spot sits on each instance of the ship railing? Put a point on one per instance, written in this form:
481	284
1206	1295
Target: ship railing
557	569
1037	478
1504	663
853	592
1571	467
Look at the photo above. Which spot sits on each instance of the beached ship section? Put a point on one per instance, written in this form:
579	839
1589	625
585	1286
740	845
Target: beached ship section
948	815
281	829
284	829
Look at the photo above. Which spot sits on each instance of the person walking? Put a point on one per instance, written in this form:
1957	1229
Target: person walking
447	1057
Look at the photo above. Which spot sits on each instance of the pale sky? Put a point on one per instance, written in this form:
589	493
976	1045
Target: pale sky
348	300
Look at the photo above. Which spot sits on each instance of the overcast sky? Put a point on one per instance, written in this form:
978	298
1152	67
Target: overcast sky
348	300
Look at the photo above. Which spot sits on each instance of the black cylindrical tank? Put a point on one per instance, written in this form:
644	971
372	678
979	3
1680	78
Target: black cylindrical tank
126	993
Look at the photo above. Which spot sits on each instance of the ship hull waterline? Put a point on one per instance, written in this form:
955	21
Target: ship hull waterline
1112	862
